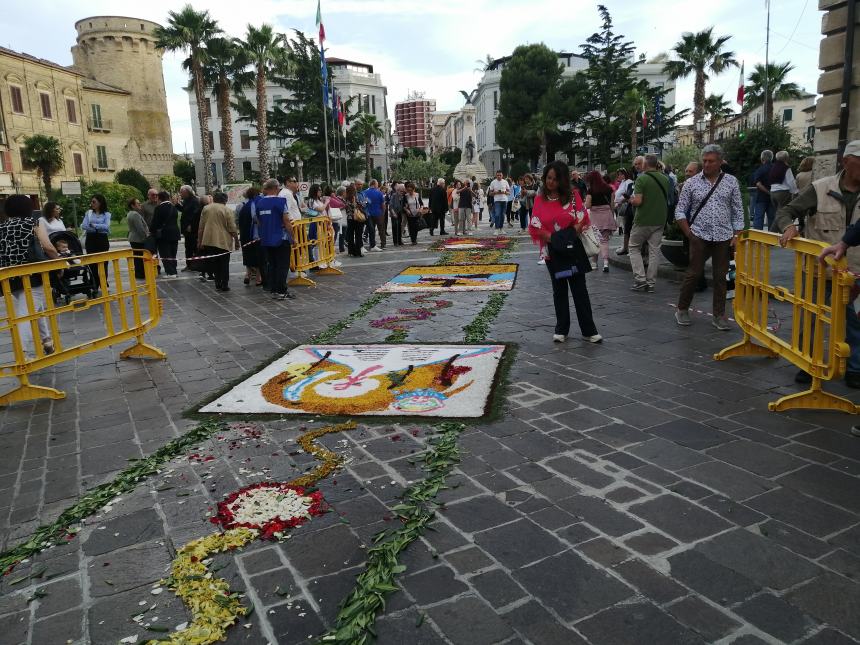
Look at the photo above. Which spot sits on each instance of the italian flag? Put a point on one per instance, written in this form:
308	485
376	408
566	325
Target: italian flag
644	115
320	24
741	87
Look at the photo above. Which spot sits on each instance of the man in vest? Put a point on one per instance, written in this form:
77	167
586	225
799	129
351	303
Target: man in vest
834	210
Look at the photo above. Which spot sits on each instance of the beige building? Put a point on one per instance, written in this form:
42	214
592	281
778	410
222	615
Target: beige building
109	110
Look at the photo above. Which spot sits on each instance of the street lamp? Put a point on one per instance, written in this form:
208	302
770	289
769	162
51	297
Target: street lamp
700	128
591	142
505	157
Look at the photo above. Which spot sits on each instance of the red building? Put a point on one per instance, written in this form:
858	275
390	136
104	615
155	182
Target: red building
412	122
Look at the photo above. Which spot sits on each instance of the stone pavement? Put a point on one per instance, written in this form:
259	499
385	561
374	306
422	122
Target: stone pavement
630	492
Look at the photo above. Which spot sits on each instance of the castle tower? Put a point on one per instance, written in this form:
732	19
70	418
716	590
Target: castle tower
121	52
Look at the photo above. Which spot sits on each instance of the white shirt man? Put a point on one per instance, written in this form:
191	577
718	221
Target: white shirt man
500	189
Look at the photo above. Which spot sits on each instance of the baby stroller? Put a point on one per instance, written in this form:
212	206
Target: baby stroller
76	278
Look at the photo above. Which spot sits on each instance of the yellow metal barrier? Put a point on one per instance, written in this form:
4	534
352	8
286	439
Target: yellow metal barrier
817	344
302	258
121	310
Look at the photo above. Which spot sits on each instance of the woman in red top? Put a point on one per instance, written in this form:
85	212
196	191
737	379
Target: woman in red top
558	207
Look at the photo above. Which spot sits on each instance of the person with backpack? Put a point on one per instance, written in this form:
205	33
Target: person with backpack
651	201
558	218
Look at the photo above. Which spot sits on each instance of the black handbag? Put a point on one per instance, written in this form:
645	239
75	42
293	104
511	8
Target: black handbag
35	252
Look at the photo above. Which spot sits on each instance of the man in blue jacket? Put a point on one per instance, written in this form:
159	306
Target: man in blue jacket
375	198
274	228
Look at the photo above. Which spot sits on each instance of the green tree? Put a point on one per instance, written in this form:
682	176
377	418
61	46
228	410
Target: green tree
296	150
170	183
717	108
631	108
224	65
185	170
421	171
369	129
532	72
743	153
610	74
133	177
778	88
299	116
699	54
542	126
679	157
45	153
264	50
451	157
189	30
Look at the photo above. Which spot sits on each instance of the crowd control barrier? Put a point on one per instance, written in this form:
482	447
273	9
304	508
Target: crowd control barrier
127	309
817	341
312	252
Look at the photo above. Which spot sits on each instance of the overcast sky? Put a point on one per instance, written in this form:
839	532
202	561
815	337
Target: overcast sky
434	46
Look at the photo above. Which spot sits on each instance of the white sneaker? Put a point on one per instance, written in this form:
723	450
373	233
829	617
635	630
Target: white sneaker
558	338
375	248
597	338
542	261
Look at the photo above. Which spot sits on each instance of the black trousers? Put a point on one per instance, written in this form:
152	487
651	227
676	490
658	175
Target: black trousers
139	271
396	231
581	301
191	251
219	266
277	267
97	243
412	224
354	232
167	250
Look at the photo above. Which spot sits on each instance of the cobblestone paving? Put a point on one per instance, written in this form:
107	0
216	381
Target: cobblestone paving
631	492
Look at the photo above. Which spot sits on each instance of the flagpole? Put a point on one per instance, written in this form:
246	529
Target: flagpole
766	59
336	141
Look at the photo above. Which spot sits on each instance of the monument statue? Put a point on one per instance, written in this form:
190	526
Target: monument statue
470	164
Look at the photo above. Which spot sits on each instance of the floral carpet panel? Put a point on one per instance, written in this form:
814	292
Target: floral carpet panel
468	243
450	381
478	277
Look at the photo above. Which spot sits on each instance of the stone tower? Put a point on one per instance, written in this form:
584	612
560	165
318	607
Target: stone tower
121	52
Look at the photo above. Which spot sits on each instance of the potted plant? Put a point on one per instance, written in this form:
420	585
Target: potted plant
674	246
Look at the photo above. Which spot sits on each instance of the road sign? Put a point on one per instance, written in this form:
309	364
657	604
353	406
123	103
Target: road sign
304	187
70	187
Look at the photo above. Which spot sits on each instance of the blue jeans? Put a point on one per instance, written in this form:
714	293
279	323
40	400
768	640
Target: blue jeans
499	209
763	206
525	215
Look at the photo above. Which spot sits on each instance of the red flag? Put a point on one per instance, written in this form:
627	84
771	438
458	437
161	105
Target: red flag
340	119
320	23
741	87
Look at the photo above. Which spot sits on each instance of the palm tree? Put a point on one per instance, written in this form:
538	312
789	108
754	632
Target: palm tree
631	108
46	155
264	50
189	30
542	126
484	63
224	61
777	88
368	128
699	54
717	108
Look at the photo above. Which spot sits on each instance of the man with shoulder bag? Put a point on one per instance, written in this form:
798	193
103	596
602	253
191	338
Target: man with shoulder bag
714	199
651	200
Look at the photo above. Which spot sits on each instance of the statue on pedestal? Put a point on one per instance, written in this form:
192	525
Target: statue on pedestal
470	165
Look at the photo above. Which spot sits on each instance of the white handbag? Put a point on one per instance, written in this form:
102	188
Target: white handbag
335	214
590	241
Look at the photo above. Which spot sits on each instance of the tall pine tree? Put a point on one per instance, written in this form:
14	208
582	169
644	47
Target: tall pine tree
610	74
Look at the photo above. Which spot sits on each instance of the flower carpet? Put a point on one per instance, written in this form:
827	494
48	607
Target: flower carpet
476	277
467	243
377	380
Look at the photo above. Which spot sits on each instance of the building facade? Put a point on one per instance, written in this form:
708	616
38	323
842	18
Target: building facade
487	94
837	115
96	122
351	80
412	122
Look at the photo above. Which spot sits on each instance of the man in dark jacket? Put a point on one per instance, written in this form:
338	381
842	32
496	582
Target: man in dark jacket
166	232
438	206
190	208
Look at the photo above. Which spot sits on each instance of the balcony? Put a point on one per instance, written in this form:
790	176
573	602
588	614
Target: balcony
104	165
99	125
